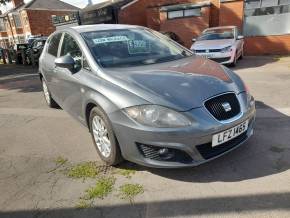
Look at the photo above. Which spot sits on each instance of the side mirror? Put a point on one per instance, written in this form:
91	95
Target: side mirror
240	37
65	62
193	40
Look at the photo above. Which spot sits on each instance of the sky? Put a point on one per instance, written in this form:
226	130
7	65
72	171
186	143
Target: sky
78	3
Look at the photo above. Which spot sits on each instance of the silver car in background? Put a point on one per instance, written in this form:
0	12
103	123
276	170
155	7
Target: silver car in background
145	98
221	44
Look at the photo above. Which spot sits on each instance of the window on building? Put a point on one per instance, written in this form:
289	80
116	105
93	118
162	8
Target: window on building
184	13
70	47
267	17
53	44
2	25
17	21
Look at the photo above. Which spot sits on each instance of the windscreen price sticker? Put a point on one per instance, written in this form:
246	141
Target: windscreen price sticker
138	46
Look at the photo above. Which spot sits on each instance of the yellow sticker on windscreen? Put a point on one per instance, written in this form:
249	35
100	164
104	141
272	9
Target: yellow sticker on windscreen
110	39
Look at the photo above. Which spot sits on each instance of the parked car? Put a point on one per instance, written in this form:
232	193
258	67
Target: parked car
34	50
145	98
221	44
19	50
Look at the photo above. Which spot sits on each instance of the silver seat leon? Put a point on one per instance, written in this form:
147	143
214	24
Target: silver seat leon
145	98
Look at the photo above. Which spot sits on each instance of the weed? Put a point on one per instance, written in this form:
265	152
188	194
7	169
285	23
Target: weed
103	187
60	161
126	172
130	191
83	204
83	170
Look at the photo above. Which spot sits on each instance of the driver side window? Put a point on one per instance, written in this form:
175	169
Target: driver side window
70	47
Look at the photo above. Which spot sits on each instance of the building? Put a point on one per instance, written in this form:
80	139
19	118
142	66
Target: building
33	18
264	23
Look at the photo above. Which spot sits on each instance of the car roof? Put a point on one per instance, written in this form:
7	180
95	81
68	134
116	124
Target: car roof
100	27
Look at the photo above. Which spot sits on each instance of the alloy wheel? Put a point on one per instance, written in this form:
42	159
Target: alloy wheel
101	136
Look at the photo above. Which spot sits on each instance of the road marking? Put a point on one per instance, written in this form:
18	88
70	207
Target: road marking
33	112
18	76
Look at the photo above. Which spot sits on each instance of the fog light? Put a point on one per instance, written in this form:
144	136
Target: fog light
165	154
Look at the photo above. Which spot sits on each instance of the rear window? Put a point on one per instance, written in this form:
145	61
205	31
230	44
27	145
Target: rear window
53	44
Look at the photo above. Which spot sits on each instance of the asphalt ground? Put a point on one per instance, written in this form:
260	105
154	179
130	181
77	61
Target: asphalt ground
252	181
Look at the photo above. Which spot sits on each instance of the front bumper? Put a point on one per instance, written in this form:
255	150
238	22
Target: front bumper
222	58
193	142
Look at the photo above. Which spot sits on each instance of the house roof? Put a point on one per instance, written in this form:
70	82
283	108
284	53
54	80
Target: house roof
117	3
49	5
42	5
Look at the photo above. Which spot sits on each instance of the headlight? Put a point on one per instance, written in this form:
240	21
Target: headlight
157	116
226	49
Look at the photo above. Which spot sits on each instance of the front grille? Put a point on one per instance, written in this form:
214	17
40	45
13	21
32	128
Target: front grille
221	60
151	152
207	51
215	50
200	51
207	151
216	108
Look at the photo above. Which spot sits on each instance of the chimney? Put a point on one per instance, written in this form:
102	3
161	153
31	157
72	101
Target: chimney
17	3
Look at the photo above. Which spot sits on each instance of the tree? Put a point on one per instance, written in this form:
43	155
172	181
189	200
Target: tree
3	2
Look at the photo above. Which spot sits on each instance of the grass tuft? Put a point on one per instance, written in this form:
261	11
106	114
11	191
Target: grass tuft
83	170
83	204
130	191
103	188
128	173
60	161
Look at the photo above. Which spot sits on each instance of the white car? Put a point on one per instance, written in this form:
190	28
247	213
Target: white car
221	44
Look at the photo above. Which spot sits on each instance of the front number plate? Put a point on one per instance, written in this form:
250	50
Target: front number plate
229	134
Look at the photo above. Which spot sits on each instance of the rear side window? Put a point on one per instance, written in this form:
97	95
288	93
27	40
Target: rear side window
53	44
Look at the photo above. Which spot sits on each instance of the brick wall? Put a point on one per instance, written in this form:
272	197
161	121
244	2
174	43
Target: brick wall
214	13
25	22
153	18
186	28
266	45
134	14
232	13
146	13
40	21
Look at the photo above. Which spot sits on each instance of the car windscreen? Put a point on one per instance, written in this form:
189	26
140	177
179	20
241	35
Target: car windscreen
132	47
217	34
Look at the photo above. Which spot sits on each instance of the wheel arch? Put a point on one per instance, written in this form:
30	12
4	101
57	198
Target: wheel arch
97	100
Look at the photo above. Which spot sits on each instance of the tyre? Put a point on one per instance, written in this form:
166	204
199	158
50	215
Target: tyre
104	138
234	62
242	54
49	100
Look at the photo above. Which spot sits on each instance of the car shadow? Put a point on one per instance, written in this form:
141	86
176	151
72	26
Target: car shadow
264	154
216	206
254	62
